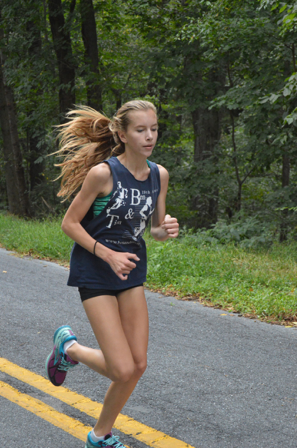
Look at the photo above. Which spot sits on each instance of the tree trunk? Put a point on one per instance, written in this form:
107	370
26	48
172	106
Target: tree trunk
286	171
285	183
62	45
89	35
34	132
238	199
207	132
36	169
118	98
18	201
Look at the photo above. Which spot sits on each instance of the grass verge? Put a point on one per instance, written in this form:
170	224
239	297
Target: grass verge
41	239
261	284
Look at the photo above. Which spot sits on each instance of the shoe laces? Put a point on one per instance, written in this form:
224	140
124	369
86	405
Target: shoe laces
63	334
65	365
114	442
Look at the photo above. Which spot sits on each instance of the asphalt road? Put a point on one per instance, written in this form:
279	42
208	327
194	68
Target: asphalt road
213	380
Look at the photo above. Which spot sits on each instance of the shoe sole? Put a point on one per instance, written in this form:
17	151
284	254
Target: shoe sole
46	364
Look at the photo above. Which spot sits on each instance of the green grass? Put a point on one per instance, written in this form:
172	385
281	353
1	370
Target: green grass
43	239
260	283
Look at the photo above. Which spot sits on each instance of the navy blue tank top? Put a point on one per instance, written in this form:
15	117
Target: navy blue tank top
120	227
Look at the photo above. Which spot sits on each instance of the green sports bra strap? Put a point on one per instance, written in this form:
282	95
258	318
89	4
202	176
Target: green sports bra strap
100	203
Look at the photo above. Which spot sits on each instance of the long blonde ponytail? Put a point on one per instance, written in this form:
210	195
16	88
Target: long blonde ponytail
89	138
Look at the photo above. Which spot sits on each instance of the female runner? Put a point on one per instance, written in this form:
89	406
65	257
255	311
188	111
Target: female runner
120	191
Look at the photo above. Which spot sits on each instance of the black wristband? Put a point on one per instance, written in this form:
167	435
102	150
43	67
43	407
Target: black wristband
94	247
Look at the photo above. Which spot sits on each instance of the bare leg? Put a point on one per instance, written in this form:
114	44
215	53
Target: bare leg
134	317
90	357
117	362
121	328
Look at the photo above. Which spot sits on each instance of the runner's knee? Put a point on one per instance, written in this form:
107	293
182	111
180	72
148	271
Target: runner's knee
140	367
122	373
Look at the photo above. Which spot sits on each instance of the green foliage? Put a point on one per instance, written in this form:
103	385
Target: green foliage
236	58
213	266
261	283
245	233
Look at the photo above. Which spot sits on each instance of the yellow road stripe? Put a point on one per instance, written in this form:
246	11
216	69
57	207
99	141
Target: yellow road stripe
42	410
125	424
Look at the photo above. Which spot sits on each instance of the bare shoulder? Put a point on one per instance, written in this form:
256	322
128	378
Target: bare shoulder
164	175
99	180
100	172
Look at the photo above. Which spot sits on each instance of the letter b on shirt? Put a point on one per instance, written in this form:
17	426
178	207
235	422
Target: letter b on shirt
135	196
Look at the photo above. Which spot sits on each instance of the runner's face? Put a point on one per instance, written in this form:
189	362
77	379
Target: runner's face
142	132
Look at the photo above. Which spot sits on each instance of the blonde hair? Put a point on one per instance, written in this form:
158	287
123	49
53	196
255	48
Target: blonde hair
89	138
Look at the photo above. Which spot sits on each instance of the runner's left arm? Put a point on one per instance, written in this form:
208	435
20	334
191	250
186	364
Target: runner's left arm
163	226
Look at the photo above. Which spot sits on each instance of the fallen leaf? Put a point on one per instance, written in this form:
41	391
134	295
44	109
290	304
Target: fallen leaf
4	272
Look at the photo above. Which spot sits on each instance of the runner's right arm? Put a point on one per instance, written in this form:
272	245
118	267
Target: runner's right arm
97	182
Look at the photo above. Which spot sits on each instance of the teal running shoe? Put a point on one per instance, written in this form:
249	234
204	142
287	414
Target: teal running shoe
110	441
58	362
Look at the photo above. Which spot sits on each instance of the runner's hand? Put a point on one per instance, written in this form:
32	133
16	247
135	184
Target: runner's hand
121	264
171	226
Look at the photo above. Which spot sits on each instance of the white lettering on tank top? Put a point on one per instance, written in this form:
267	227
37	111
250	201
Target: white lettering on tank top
142	205
113	221
135	194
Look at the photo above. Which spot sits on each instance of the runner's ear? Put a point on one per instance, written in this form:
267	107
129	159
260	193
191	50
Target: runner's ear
122	136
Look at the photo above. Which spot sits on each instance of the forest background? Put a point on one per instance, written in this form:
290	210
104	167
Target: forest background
221	73
223	77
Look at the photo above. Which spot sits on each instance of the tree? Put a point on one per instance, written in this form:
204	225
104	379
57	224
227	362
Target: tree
65	60
242	40
17	194
89	35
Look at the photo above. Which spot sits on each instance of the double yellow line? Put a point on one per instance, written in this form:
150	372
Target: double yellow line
149	436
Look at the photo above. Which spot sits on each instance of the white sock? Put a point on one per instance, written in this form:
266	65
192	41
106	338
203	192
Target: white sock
96	439
68	344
